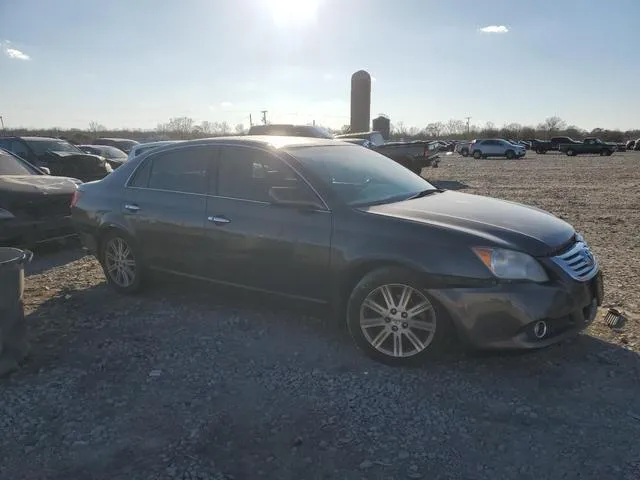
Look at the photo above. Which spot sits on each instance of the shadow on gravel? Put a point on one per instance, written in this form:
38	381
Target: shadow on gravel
47	257
74	313
450	184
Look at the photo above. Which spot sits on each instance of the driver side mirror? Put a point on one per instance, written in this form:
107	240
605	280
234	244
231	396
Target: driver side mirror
295	197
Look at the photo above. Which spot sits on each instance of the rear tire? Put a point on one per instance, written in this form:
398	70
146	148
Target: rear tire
570	153
121	262
392	318
464	152
477	154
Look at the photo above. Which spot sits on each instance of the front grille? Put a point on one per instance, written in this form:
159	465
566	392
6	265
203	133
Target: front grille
578	262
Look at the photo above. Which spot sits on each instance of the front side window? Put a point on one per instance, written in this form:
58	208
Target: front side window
251	174
183	170
19	149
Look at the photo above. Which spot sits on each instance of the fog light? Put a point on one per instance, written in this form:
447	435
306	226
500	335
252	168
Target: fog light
540	329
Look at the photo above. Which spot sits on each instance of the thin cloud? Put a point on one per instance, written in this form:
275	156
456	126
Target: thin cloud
14	53
226	104
328	76
494	29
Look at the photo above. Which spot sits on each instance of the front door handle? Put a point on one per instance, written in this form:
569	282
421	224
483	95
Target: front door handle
132	207
218	219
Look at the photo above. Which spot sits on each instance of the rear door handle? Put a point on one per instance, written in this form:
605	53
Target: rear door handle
132	207
218	219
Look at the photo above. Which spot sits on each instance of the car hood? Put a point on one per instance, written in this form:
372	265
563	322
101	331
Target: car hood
495	222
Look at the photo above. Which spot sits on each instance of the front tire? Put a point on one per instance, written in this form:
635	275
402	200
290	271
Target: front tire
570	153
121	262
393	320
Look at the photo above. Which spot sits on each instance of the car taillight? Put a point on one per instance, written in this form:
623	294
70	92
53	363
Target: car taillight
74	198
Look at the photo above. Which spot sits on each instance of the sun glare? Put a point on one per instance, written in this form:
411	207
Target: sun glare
293	13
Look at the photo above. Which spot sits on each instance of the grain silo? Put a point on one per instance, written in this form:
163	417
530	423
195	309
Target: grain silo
360	101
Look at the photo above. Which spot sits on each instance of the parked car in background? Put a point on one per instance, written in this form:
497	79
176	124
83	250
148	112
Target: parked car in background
59	156
287	129
409	265
145	147
463	148
414	155
496	147
636	146
124	144
113	155
34	206
631	144
543	146
589	145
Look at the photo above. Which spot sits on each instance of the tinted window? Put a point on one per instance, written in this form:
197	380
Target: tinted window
141	175
183	170
42	146
18	148
10	165
248	174
360	176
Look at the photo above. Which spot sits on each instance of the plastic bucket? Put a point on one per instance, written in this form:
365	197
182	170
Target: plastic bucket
13	335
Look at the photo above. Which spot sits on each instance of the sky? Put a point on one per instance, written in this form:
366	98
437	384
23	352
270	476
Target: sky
134	64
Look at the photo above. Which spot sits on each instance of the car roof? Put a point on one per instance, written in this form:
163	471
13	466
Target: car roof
116	139
34	138
272	141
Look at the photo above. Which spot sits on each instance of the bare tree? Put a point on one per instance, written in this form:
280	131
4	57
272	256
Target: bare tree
434	129
553	124
489	130
455	127
240	130
180	127
95	127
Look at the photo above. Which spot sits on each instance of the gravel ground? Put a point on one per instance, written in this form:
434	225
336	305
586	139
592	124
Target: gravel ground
189	382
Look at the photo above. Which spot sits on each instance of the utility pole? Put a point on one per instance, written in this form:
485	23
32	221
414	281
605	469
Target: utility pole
2	123
250	121
264	116
468	125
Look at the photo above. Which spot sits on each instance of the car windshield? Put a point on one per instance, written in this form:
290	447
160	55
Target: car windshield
360	176
42	146
10	165
111	152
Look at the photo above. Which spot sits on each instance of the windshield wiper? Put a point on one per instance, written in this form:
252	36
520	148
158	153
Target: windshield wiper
424	193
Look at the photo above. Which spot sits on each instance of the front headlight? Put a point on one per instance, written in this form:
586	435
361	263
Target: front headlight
5	214
511	265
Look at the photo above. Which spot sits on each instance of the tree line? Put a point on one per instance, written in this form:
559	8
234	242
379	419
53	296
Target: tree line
185	128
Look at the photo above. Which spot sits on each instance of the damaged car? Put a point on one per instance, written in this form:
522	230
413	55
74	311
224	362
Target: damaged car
60	157
408	266
34	206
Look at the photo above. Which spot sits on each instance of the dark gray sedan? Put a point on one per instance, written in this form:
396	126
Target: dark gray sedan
409	265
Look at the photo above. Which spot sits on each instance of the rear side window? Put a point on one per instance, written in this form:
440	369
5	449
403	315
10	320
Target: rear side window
183	170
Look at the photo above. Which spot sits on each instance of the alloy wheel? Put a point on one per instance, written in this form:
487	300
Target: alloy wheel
397	320
120	262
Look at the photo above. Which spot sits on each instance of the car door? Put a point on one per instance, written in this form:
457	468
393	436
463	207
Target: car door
258	243
165	205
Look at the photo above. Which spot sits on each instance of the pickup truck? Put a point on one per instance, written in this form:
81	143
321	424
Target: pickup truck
589	145
413	155
543	146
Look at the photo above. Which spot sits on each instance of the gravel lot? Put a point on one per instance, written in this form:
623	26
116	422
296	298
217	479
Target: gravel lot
190	382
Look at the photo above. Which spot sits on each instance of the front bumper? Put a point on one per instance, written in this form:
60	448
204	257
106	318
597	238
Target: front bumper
34	232
505	316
